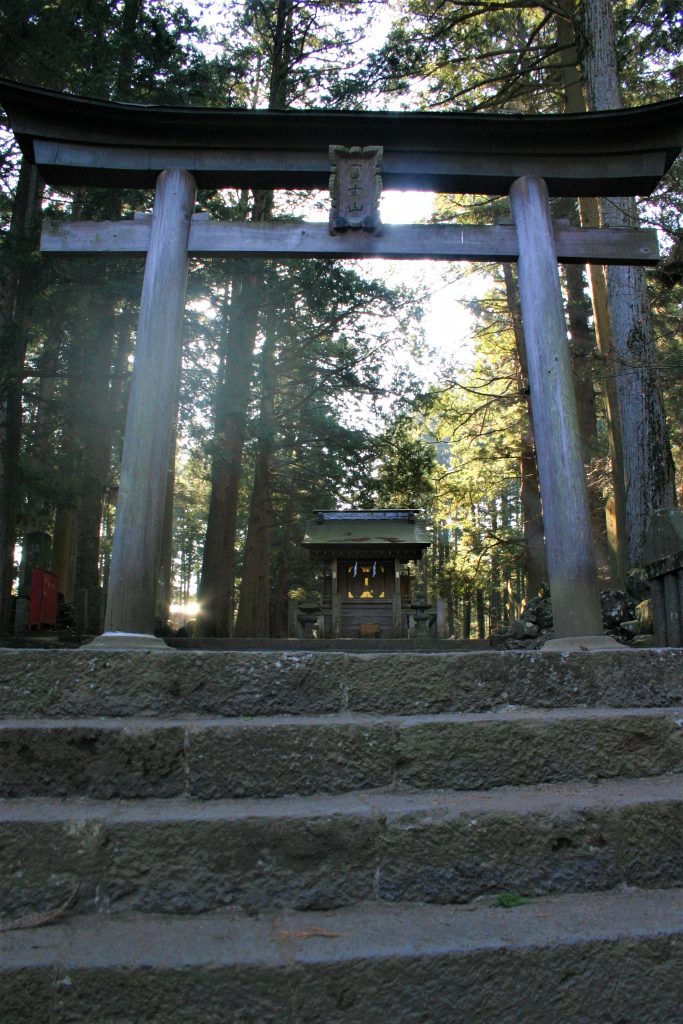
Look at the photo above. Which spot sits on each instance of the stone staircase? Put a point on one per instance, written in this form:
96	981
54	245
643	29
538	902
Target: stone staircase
248	837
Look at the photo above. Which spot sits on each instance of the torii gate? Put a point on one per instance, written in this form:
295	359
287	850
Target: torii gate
77	142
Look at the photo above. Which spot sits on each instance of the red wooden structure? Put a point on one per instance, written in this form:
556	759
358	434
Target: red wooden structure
43	605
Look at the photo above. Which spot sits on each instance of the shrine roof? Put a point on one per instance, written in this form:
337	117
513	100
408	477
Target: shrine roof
79	141
378	529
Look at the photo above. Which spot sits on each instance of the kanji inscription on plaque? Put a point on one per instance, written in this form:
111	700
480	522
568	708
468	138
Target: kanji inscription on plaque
355	188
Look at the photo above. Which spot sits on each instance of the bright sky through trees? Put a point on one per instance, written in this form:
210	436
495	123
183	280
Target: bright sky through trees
447	322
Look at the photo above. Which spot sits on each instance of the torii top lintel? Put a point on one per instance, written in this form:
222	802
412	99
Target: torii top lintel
76	141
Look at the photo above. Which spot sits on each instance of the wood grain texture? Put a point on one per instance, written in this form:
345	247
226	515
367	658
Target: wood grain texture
480	171
398	241
566	512
151	411
78	141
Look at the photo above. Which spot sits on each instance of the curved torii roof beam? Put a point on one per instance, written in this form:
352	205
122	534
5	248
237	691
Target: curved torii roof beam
76	141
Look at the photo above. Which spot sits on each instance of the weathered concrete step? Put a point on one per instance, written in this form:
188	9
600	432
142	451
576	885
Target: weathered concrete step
605	957
84	683
211	758
183	856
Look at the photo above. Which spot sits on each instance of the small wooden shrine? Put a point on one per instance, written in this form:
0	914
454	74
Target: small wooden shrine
362	554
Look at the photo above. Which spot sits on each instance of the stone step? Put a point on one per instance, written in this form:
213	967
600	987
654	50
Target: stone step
599	957
210	758
183	856
86	683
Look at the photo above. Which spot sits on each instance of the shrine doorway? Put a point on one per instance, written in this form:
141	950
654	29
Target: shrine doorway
366	588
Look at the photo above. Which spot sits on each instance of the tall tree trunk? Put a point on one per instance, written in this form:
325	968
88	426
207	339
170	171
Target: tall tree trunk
66	524
218	566
448	581
128	49
481	614
217	586
41	428
165	582
36	509
281	58
581	347
467	615
64	545
496	597
253	613
648	465
63	548
232	398
17	279
279	618
535	565
94	431
506	522
164	596
589	212
72	519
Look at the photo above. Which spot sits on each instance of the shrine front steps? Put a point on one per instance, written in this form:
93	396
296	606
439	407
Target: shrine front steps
168	683
322	852
356	892
581	959
275	756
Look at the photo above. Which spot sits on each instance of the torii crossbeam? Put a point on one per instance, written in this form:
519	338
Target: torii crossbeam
77	141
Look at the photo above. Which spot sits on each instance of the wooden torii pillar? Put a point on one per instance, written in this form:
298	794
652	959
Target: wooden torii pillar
570	555
133	576
76	141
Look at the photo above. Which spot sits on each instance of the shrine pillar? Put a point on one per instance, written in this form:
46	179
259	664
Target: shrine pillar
151	411
564	494
336	600
397	608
